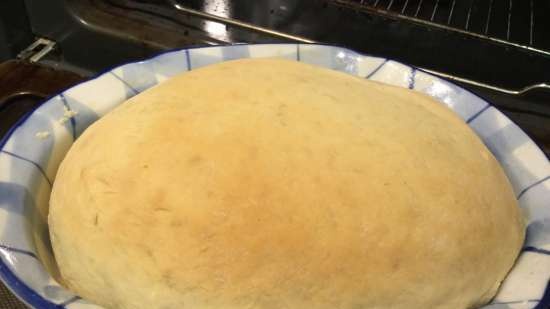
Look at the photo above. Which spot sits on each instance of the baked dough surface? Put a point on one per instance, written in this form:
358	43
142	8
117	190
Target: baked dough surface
271	184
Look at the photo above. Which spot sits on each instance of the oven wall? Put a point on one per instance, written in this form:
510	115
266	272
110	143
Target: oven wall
15	31
83	44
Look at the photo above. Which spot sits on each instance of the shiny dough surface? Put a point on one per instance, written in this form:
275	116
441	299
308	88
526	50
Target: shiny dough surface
273	184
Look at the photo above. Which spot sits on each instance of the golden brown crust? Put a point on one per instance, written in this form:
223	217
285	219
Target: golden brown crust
274	184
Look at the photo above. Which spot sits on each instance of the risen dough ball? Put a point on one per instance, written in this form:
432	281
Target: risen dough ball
270	184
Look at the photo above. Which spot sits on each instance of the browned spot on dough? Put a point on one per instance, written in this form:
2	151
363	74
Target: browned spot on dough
330	96
157	200
96	219
194	160
204	249
83	172
395	265
161	209
281	113
209	236
281	109
103	181
168	278
175	223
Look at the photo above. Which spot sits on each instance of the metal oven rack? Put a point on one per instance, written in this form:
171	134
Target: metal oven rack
519	24
511	22
516	24
500	45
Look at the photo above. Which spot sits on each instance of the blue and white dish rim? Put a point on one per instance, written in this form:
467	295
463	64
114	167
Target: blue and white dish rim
33	148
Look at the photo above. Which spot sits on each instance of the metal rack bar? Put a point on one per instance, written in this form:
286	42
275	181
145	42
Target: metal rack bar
489	17
418	8
509	20
522	91
451	12
389	5
237	23
413	17
532	24
233	22
434	10
404	7
504	20
467	26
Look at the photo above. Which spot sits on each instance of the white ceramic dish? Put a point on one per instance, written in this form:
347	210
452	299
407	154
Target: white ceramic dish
28	162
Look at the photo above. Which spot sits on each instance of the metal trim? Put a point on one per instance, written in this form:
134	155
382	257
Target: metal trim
522	91
237	23
35	55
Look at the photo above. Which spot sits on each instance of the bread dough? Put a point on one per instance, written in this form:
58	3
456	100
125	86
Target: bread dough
273	184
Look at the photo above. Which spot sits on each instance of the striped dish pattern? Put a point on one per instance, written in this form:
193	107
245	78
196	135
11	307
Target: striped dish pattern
28	162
